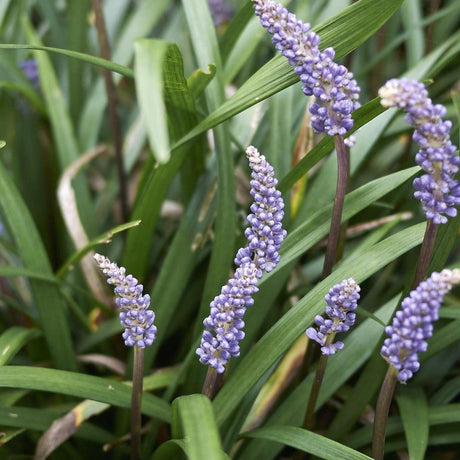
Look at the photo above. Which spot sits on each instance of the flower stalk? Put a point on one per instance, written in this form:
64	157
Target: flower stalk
220	341
342	300
136	398
112	106
437	189
426	252
342	185
381	413
412	325
139	333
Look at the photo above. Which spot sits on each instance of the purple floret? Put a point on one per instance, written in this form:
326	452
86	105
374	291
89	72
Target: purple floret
342	300
438	191
412	324
335	90
133	305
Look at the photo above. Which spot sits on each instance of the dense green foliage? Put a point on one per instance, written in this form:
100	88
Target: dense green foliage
190	97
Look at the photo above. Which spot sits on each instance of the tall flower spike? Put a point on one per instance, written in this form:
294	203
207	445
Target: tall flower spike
264	235
412	324
438	191
134	314
334	87
342	300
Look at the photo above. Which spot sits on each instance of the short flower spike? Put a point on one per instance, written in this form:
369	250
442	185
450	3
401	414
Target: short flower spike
438	191
134	314
413	323
342	300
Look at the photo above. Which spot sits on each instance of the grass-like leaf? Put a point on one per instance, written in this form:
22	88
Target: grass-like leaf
40	419
360	344
307	441
149	89
180	106
89	59
207	51
47	297
193	419
413	408
12	340
105	238
81	386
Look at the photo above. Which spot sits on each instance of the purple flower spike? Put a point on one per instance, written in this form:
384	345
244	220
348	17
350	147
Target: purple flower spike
134	314
438	191
342	300
333	86
412	324
264	236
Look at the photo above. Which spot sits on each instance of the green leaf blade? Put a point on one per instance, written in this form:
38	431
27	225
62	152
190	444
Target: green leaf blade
413	407
48	299
81	386
193	417
148	65
307	441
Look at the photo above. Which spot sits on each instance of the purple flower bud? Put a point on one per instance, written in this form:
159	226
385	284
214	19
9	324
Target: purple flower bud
30	69
438	191
412	324
341	300
134	314
221	12
334	87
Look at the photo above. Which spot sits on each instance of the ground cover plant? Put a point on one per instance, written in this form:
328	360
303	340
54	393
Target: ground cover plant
229	229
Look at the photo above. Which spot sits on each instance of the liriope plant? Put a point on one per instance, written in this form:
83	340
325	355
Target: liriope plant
142	118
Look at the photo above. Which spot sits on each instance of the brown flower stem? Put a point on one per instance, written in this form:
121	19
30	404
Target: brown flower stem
426	252
310	412
344	225
136	397
112	106
381	412
432	8
341	190
212	383
316	387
